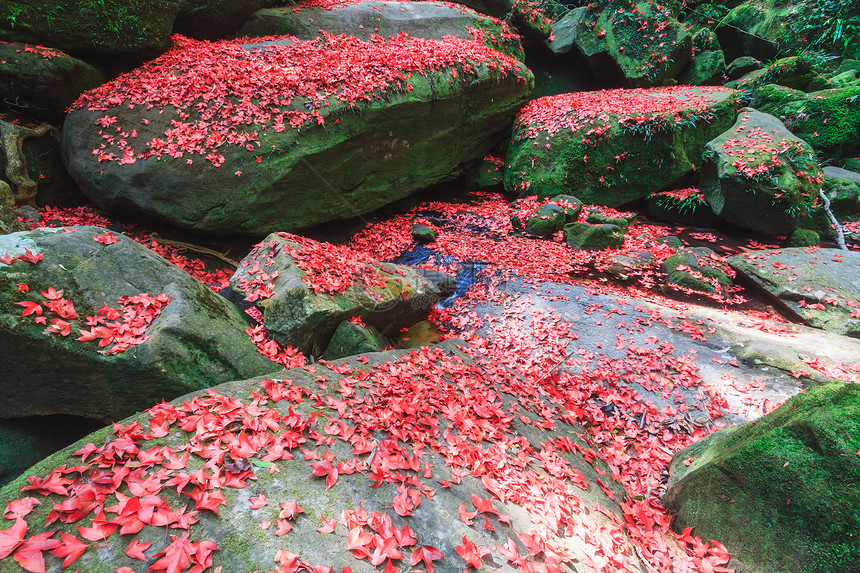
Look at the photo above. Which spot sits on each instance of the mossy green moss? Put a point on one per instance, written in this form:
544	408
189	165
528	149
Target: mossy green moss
91	27
828	120
782	493
627	162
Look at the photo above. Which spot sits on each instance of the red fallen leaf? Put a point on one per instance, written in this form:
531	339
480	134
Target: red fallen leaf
208	499
289	510
289	561
258	502
533	541
6	259
176	557
389	568
12	537
473	554
136	550
510	552
71	549
328	526
465	515
357	542
325	468
426	553
124	570
52	294
22	287
30	308
30	257
106	238
29	554
60	326
20	507
283	526
100	529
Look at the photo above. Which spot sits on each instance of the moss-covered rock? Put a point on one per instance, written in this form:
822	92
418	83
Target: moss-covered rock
546	220
9	222
842	187
215	19
423	233
347	127
360	444
593	237
615	146
166	335
828	120
41	82
820	288
636	43
305	289
706	68
804	238
600	219
353	338
91	27
365	18
698	269
752	29
781	493
741	66
760	176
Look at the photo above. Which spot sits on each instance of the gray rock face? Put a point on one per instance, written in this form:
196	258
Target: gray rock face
178	335
376	475
305	289
759	175
428	20
820	287
276	147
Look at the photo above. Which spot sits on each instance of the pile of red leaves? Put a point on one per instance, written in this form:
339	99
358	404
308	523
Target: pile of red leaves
590	112
227	92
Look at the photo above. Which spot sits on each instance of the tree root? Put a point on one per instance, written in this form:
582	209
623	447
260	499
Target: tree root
12	137
196	248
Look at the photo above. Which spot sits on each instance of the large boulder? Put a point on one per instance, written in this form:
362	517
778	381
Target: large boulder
9	222
62	351
760	176
42	82
95	28
357	465
633	43
430	20
828	120
614	146
215	19
305	289
818	287
781	493
283	134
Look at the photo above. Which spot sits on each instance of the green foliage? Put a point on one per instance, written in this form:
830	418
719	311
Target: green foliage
830	25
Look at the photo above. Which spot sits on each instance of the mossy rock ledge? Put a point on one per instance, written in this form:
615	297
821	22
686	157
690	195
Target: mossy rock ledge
281	134
781	493
241	475
196	338
612	147
288	278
